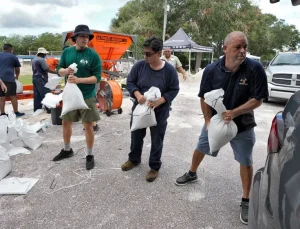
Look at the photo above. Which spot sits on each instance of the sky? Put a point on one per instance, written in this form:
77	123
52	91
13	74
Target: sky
34	17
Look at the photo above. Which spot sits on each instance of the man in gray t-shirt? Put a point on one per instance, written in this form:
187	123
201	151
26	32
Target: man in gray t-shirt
40	71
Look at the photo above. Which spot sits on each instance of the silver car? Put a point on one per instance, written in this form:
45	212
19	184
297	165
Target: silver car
275	196
284	75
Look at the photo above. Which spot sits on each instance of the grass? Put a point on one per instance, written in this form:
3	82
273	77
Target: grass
25	80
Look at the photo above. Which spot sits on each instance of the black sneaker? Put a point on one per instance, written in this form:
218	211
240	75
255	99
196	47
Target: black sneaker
96	128
90	163
244	212
19	114
4	114
185	179
63	154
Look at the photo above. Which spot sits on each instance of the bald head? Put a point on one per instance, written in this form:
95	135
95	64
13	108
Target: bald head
232	36
167	52
235	49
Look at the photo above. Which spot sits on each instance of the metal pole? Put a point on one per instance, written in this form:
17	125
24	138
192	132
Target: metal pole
165	20
190	62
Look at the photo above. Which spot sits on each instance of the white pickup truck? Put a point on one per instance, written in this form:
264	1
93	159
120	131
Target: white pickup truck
283	75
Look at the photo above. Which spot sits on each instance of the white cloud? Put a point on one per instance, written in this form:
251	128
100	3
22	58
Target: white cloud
63	3
25	17
38	16
34	17
282	10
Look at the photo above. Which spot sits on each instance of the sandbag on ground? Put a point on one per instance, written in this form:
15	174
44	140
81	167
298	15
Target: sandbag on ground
5	163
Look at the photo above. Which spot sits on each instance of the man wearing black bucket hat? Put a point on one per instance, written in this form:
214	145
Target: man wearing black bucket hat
88	75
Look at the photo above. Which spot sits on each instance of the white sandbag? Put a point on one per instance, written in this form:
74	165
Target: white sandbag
152	94
51	100
30	138
18	143
53	82
14	150
16	186
19	87
16	123
38	112
142	117
219	133
4	122
74	67
12	134
5	163
36	127
72	99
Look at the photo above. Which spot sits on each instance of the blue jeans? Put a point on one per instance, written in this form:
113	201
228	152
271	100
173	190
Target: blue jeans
157	139
39	91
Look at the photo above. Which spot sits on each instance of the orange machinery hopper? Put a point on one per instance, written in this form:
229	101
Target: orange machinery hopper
110	47
52	62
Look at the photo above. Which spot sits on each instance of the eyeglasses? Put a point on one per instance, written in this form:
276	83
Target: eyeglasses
148	54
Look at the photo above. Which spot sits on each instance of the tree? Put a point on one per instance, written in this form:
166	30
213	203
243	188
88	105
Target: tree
23	44
208	22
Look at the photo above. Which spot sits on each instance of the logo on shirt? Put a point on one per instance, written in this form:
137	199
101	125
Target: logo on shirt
83	62
243	82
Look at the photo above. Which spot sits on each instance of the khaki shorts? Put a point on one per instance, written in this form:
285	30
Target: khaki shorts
85	115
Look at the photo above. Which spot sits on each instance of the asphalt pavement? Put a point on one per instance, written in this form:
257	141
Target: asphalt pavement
68	196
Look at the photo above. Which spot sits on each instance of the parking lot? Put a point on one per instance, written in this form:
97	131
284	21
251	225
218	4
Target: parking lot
107	197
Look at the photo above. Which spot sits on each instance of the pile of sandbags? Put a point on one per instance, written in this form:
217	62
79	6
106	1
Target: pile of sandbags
16	133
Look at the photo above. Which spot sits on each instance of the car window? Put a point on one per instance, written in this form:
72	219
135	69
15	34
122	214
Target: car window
287	59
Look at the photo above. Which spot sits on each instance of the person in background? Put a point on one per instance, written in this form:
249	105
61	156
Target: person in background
174	61
88	75
151	71
245	84
40	70
9	72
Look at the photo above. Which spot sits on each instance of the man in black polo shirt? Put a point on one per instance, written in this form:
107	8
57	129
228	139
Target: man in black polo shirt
245	84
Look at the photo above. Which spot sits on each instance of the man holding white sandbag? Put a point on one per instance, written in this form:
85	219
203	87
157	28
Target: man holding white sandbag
151	72
244	82
87	76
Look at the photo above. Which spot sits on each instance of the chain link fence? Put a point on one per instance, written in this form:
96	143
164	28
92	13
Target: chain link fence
51	53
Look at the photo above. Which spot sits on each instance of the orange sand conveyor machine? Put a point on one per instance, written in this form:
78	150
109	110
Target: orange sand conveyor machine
110	47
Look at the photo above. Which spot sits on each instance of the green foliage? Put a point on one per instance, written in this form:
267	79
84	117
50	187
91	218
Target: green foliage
208	22
23	44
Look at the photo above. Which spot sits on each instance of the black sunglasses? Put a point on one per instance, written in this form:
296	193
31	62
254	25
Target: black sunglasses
148	54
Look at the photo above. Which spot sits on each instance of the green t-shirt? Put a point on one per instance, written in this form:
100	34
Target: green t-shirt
88	64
